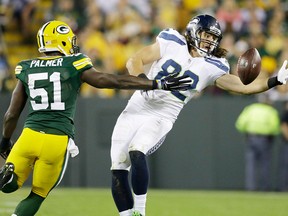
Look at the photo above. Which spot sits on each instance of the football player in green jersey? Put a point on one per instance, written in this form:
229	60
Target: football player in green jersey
51	84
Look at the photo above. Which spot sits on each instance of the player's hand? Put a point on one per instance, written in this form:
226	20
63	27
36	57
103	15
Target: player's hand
173	83
5	147
283	73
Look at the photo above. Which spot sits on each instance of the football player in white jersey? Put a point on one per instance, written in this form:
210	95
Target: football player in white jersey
149	115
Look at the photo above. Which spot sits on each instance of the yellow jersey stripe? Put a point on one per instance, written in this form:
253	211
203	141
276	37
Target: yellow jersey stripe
18	69
82	63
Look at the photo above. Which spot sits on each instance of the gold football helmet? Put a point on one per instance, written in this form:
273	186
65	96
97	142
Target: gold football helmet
57	36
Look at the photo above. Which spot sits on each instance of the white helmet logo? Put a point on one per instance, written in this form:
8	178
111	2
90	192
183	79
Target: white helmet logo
215	29
194	21
62	29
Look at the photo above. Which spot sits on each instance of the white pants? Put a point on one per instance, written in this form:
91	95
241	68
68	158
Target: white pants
137	130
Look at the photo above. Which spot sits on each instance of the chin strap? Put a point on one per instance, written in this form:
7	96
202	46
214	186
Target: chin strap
202	53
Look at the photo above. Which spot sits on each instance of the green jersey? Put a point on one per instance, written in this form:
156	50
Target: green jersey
52	85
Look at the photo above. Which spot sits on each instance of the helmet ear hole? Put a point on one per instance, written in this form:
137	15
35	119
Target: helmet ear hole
63	43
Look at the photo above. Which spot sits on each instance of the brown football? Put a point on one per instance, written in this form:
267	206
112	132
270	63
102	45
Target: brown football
249	66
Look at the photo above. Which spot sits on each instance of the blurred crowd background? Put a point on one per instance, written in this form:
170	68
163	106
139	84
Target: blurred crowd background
109	31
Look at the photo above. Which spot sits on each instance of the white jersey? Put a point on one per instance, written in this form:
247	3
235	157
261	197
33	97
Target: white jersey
175	58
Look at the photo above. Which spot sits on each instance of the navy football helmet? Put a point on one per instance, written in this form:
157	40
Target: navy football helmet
199	24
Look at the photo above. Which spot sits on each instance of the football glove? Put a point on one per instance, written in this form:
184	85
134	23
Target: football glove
283	73
173	83
5	147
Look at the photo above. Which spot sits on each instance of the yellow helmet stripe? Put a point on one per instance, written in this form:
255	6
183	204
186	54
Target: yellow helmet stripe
82	63
41	33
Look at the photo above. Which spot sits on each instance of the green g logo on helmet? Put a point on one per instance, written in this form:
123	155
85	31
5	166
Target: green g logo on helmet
63	29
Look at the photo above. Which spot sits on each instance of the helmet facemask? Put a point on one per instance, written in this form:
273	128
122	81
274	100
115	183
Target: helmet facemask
75	47
204	46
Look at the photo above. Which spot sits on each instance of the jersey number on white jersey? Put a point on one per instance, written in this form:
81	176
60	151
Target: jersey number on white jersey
170	67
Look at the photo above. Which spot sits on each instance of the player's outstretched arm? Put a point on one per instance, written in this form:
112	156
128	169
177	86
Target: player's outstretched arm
232	83
135	66
104	80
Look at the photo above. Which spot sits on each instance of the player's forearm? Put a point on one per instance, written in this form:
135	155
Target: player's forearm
14	111
126	82
233	84
9	124
258	86
263	84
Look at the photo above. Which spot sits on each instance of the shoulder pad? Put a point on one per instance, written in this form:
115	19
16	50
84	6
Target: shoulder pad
81	61
172	35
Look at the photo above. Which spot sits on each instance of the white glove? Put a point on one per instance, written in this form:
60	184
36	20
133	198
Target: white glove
72	148
283	73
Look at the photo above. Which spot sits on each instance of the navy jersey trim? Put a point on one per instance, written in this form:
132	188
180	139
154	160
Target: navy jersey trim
218	64
171	37
179	95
